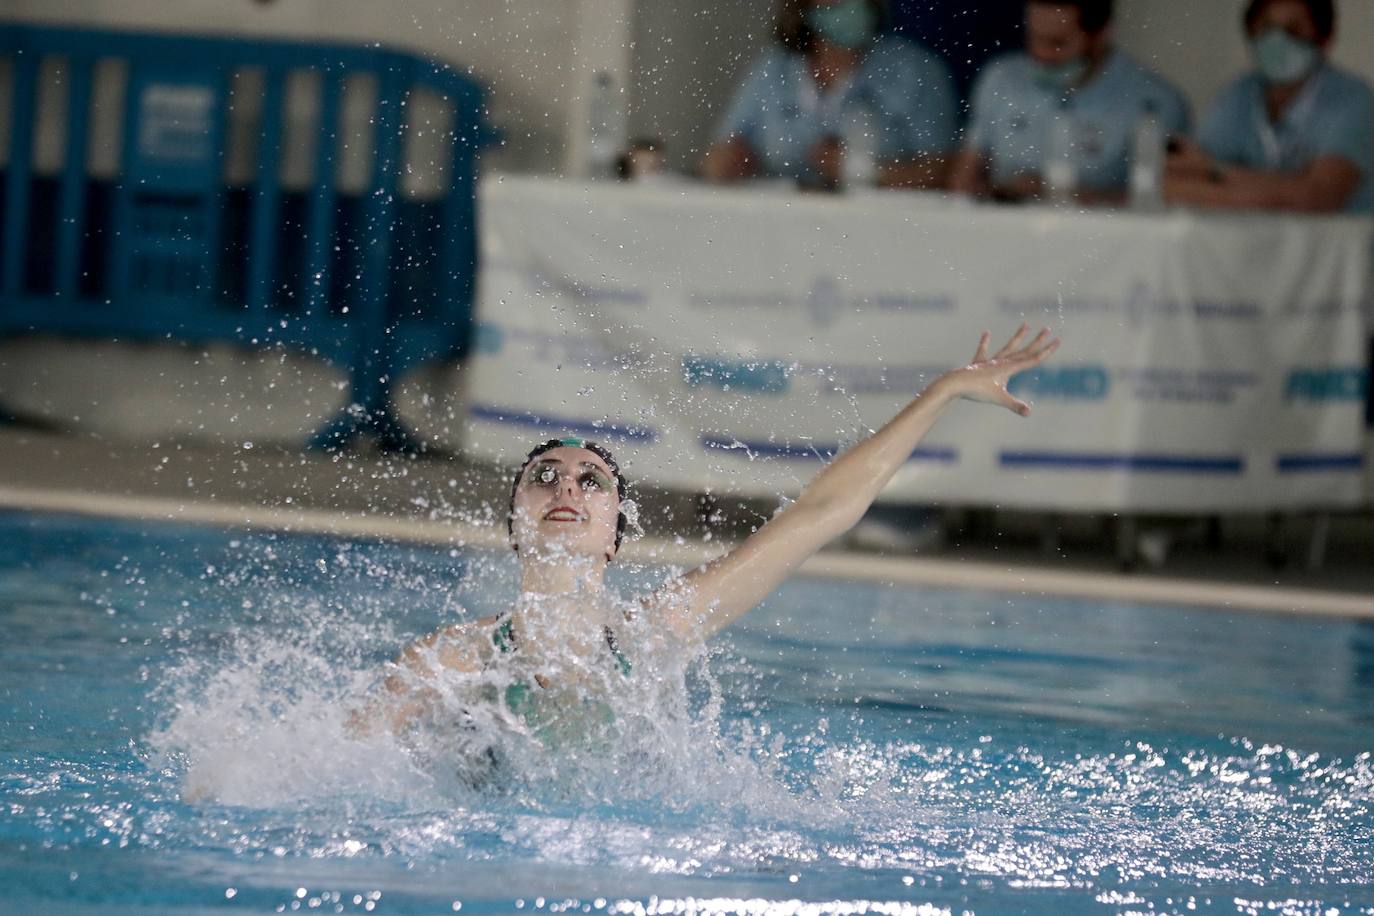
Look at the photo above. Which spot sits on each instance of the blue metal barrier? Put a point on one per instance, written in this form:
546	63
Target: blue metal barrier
168	248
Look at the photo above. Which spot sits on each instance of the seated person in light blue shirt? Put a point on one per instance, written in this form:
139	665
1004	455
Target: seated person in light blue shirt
1070	94
1296	134
830	70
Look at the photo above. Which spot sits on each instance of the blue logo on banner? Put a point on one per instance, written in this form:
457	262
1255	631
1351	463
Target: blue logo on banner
751	376
1349	383
1069	383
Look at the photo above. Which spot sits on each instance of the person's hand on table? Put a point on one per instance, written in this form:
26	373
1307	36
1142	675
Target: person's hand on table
1023	186
1189	160
729	160
827	157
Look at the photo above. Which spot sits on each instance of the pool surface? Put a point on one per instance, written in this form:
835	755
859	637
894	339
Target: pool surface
846	748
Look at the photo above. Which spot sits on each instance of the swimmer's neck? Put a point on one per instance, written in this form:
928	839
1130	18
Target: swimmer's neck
561	574
562	604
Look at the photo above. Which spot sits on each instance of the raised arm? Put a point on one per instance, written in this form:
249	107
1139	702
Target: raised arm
709	598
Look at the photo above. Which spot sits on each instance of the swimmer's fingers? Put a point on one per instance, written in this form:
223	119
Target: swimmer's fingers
1036	342
1014	404
1039	349
1026	352
1014	343
1046	351
1035	353
982	355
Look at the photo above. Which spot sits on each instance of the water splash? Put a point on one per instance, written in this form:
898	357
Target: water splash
727	782
289	711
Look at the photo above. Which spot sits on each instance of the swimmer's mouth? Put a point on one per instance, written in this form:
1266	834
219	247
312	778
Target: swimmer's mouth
564	514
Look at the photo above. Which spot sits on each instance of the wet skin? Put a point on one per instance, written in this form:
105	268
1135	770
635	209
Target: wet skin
566	504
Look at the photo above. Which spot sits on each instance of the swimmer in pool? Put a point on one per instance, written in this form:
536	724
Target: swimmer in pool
567	518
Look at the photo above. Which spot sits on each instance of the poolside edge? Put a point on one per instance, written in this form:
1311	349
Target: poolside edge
1022	580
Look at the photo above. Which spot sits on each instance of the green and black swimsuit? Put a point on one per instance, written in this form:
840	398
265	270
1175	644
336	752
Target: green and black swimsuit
519	696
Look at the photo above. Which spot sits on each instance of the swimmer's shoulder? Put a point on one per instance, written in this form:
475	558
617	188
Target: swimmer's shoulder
460	647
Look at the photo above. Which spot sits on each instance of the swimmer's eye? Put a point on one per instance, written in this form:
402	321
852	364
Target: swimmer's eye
593	480
545	476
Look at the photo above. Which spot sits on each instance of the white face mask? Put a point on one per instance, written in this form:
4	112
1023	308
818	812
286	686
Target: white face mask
1063	77
1282	59
849	25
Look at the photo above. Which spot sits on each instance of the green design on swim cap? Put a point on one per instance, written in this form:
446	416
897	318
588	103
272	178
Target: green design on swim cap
572	442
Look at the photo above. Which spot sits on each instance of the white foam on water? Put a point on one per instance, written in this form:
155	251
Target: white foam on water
271	716
660	774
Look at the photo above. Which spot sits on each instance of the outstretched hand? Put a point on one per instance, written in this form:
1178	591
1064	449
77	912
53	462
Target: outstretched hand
985	378
708	598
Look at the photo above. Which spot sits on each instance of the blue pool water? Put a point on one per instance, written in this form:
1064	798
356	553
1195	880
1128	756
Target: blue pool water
847	748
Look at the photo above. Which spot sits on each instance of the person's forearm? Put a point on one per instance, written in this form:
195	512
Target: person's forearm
1199	191
715	165
842	492
713	596
709	597
1089	197
968	173
923	172
728	160
1188	169
1299	192
1238	188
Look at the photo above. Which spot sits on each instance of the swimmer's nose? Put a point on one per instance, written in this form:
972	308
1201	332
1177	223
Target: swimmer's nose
570	486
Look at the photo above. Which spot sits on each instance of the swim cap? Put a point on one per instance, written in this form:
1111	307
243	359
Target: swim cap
571	442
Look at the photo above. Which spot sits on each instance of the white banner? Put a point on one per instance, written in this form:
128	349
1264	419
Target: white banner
732	340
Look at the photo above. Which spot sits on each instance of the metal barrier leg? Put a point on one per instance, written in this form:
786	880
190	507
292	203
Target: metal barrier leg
379	424
372	412
1127	542
1276	541
1316	544
1051	525
372	415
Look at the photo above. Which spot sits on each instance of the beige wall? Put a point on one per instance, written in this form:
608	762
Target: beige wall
678	61
687	60
529	52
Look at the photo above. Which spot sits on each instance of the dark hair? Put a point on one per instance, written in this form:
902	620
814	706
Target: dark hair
794	34
1323	14
1093	15
600	451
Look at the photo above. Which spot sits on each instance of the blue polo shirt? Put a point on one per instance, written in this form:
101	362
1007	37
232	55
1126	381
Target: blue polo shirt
1332	115
907	91
1013	118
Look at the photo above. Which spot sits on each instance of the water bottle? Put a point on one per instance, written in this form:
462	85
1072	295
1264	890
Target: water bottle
605	128
1147	161
859	168
1061	159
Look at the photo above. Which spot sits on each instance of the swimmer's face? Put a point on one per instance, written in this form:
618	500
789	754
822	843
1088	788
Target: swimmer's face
566	503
